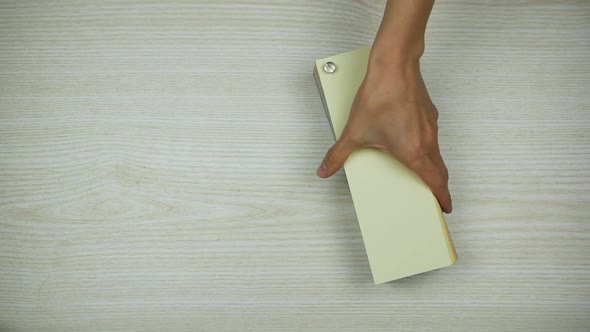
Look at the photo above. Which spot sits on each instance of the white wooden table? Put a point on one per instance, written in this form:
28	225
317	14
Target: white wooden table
157	169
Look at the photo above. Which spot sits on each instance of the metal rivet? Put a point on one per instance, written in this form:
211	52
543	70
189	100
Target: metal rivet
329	67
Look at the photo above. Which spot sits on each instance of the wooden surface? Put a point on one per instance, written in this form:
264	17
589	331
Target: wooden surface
157	169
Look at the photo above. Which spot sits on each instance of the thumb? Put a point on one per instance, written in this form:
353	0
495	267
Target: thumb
335	158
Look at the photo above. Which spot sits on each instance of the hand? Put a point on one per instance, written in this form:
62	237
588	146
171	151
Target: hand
392	111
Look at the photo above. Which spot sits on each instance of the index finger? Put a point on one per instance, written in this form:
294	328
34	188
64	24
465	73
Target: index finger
435	179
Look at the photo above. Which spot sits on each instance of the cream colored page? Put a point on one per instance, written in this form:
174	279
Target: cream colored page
398	217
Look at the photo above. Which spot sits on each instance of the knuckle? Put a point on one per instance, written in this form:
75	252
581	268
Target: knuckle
440	182
332	155
435	112
430	134
445	178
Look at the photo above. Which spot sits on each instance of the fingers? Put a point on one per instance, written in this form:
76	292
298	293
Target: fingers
335	157
434	177
439	162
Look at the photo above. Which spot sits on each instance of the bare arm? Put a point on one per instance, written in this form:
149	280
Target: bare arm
400	38
392	110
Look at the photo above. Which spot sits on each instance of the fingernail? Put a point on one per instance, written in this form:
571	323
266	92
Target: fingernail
322	170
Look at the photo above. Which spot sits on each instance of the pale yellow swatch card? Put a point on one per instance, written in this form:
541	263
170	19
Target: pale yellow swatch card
400	220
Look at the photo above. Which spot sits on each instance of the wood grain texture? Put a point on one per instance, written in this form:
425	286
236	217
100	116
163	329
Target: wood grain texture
157	169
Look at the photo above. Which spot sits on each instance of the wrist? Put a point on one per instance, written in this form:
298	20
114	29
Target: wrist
396	56
393	66
394	70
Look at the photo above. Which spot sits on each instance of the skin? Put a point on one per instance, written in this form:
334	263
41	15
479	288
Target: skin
392	110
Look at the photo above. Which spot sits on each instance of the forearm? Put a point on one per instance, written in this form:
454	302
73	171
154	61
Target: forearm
400	39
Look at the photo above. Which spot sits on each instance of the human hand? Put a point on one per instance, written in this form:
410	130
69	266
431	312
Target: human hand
393	112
